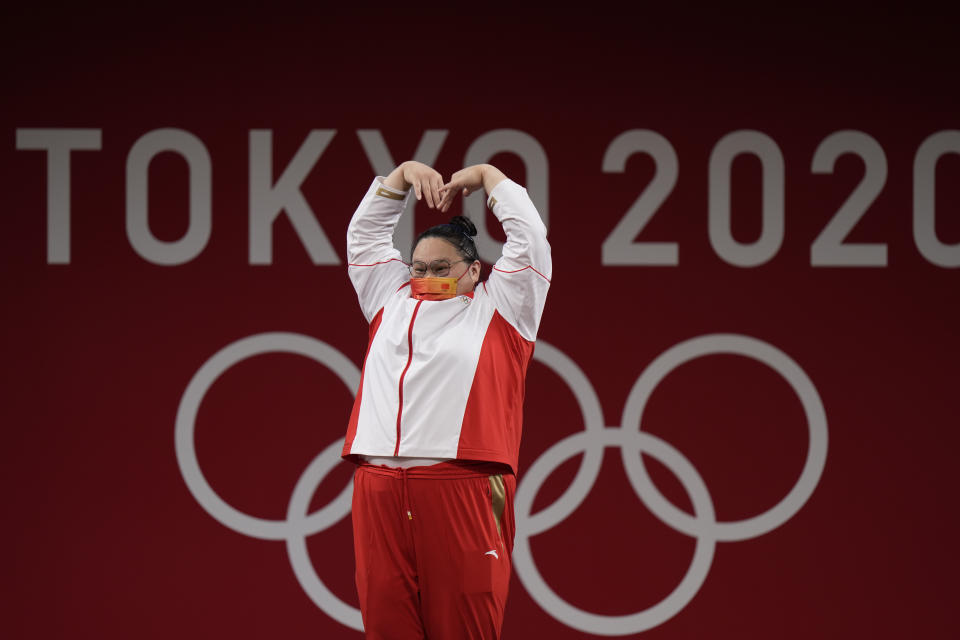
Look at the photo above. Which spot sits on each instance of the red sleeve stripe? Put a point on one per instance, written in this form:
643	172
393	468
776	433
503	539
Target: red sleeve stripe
524	269
376	263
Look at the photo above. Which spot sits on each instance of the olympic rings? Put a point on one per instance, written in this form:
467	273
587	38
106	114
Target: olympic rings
590	442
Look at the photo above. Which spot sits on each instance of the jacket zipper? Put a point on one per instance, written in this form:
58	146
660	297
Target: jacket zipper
396	449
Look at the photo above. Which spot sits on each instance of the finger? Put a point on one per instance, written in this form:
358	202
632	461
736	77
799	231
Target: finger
447	198
437	184
428	192
416	189
433	188
450	190
450	193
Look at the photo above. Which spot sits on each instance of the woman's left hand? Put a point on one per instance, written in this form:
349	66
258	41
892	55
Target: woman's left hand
468	180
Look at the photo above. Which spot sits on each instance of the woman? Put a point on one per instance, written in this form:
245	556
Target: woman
435	428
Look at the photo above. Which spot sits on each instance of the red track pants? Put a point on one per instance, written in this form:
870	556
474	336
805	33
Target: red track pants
433	549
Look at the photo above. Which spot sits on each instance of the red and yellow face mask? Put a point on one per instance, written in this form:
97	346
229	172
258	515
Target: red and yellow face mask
433	288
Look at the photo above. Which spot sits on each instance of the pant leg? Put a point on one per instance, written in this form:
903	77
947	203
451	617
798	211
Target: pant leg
383	548
464	531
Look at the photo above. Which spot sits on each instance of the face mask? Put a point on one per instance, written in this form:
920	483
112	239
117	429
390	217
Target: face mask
434	288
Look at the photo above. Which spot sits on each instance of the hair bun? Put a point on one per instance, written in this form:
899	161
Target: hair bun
464	224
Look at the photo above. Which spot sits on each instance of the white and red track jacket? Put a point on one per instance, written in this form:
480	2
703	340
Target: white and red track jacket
445	378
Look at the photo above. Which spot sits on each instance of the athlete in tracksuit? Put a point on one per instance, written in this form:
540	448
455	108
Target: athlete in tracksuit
435	428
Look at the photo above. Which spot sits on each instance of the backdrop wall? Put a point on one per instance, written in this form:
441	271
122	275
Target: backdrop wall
755	223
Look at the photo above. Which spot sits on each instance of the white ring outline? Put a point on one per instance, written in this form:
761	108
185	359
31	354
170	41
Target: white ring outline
798	380
532	579
586	397
298	524
303	568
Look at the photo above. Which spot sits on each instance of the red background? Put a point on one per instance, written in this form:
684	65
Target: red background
104	539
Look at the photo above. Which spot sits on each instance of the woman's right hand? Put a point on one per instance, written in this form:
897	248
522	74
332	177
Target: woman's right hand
424	179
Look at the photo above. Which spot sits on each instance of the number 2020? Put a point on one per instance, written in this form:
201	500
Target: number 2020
829	248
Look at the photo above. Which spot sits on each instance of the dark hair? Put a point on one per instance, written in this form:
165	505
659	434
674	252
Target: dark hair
459	232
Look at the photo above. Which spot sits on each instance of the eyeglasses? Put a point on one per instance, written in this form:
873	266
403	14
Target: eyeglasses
439	268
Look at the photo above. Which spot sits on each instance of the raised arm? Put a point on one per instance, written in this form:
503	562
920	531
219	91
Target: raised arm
520	279
376	267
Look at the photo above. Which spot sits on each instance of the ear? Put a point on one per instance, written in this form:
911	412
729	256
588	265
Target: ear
475	271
